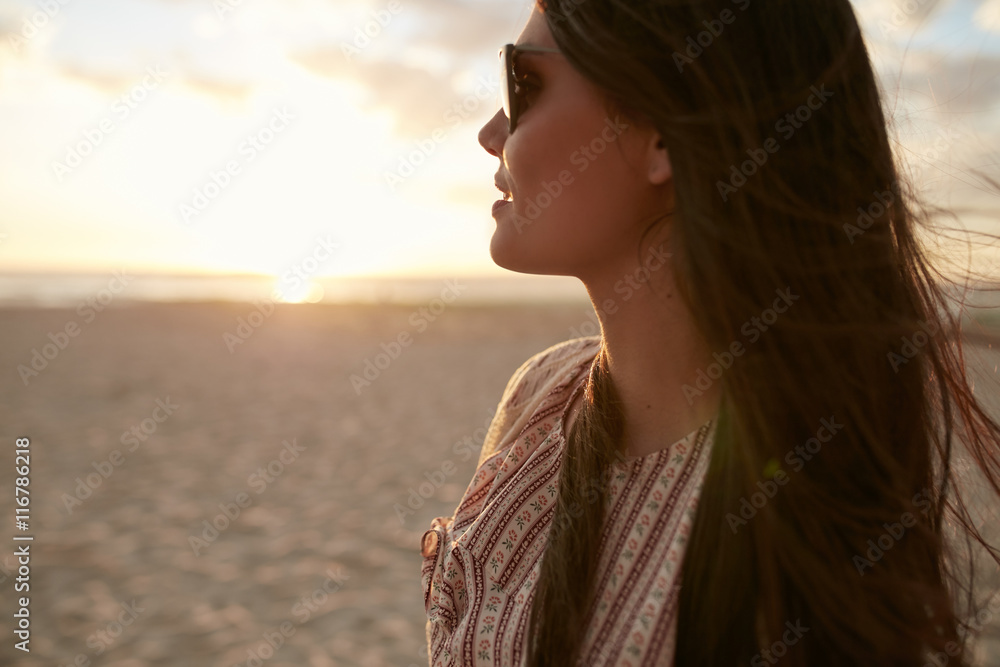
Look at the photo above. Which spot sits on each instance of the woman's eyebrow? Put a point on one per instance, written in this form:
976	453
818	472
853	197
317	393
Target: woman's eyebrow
528	47
533	57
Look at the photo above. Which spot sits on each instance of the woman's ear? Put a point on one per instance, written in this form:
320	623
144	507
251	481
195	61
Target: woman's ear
658	162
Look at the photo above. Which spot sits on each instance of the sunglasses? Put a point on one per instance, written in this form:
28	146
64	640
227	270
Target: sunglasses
511	101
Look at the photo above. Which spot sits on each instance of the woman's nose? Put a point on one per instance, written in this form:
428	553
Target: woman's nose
493	135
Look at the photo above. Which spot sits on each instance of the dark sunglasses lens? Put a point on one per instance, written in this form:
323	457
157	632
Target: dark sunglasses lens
509	96
503	82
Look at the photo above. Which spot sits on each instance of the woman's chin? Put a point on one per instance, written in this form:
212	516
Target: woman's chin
522	257
505	259
509	250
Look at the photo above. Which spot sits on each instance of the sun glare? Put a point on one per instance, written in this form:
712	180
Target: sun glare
304	292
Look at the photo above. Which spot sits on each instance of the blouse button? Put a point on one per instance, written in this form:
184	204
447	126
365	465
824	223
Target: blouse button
429	543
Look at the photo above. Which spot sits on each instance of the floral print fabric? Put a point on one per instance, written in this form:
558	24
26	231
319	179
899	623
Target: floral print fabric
480	565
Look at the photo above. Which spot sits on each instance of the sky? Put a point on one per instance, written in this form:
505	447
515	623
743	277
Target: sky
239	136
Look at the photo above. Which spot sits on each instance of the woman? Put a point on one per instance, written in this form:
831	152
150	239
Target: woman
751	463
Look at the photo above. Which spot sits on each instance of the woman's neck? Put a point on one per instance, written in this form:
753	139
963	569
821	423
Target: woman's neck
654	354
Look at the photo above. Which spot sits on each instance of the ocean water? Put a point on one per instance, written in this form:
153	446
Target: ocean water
72	290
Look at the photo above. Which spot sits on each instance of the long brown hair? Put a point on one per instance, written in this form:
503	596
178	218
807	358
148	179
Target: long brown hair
790	218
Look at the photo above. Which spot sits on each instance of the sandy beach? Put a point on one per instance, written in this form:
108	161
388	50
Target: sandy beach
204	489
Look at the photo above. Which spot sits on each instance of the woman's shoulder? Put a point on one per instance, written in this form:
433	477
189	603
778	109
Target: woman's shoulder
548	364
531	383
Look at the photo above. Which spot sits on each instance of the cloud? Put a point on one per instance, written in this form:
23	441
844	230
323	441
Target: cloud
459	36
964	84
418	97
115	83
987	16
905	13
470	28
226	91
105	82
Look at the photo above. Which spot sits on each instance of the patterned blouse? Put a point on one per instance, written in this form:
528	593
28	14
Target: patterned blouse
480	566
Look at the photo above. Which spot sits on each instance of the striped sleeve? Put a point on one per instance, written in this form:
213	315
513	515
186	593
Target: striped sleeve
528	386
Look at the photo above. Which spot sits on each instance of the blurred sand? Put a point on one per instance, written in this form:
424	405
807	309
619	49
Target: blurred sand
325	518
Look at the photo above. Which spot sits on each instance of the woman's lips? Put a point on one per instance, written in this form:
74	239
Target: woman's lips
498	204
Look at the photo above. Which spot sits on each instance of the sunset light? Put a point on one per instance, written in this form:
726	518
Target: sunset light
202	138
